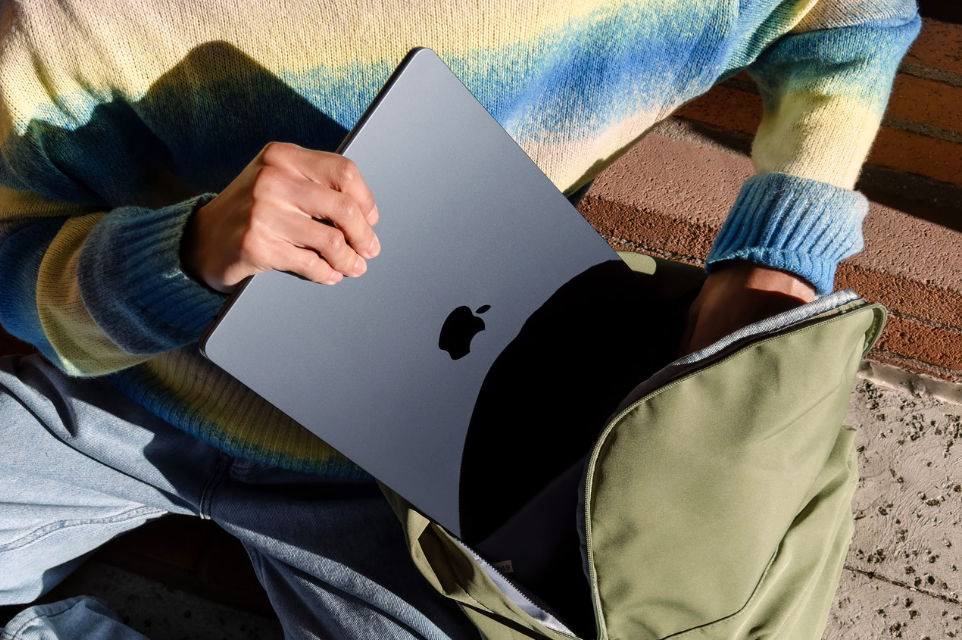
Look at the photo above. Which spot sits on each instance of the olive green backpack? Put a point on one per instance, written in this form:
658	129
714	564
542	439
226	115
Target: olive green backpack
715	503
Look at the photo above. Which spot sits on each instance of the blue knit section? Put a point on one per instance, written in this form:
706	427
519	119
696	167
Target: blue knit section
137	251
795	224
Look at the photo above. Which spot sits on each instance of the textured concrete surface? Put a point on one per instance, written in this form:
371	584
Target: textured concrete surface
902	577
868	608
164	613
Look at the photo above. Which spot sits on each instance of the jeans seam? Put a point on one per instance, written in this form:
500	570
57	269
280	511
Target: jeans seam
6	635
60	525
207	495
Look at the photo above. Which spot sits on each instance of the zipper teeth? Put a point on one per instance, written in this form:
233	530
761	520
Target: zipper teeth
711	361
485	563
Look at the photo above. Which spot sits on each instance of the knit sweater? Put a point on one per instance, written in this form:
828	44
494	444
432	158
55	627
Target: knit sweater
119	119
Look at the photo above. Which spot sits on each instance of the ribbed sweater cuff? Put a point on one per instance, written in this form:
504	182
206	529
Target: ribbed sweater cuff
133	284
795	224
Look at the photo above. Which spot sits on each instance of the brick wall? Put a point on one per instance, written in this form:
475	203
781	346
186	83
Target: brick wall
670	194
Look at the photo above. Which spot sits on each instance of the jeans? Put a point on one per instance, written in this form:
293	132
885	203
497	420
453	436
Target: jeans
81	463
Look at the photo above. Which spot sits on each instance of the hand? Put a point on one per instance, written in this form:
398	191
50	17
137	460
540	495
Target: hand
268	218
736	295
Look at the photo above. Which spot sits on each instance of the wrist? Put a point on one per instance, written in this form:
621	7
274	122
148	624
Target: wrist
763	278
190	247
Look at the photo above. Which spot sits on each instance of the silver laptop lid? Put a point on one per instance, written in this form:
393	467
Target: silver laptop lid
470	229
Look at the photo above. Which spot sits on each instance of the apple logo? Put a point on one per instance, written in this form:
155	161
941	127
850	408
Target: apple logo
459	330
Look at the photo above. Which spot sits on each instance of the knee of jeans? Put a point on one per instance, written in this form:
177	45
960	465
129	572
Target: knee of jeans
77	617
43	553
20	585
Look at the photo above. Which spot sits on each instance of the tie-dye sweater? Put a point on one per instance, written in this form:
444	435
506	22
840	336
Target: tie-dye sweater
119	119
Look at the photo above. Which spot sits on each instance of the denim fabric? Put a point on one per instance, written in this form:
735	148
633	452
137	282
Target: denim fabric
80	617
81	463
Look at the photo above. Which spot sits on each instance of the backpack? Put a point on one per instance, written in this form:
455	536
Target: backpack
714	503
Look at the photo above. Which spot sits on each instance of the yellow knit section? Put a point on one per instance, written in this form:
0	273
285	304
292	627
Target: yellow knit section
84	349
817	137
555	156
800	13
830	14
15	203
92	53
220	399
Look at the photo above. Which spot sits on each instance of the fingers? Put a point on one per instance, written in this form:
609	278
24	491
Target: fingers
303	262
328	241
342	211
324	168
294	191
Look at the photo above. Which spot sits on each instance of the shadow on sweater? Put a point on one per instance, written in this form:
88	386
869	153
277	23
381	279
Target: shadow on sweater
175	141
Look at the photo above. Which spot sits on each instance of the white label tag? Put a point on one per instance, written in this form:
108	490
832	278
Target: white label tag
505	566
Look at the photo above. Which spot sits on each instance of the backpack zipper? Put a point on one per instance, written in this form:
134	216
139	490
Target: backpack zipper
548	620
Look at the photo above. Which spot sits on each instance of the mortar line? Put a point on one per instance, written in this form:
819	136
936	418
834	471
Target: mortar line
928	130
929	323
921	71
898	583
916	367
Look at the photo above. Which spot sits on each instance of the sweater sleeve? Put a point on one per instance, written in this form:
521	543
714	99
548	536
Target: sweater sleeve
96	291
825	86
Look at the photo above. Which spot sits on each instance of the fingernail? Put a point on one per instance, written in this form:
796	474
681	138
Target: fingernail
373	216
375	247
337	276
360	266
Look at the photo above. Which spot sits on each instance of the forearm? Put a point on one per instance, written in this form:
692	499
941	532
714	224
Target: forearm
99	292
825	87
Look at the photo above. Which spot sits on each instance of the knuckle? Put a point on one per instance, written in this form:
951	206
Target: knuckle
309	262
333	242
273	152
345	170
265	181
346	210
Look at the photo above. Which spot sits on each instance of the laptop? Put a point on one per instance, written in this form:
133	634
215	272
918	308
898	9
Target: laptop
483	350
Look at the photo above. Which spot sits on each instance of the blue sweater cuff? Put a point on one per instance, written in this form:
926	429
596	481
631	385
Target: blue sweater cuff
795	224
134	286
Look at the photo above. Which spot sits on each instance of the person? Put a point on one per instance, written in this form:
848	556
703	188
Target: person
154	156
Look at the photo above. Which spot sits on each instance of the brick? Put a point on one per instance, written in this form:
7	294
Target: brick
903	295
926	102
917	100
938	46
938	346
915	153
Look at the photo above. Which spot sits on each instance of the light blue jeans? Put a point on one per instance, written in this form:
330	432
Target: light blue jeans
81	463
